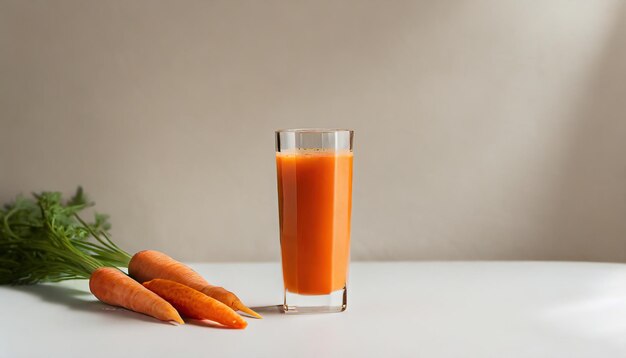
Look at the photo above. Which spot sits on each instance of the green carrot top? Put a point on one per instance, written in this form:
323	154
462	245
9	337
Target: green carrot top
44	239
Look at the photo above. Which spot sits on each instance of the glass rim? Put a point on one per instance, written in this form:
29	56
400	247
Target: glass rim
314	130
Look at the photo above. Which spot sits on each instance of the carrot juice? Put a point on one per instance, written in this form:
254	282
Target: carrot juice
314	191
315	202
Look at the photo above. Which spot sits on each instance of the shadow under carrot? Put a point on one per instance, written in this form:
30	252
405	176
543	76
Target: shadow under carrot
79	300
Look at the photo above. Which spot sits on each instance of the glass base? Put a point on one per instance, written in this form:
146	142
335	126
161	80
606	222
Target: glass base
302	304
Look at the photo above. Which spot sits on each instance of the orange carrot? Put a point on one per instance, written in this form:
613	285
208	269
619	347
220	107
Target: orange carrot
114	287
195	304
148	265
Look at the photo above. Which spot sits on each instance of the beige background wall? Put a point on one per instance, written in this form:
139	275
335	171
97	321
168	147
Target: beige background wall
484	129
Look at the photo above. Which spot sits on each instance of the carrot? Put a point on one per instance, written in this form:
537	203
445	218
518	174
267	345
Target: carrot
45	240
114	287
195	304
148	265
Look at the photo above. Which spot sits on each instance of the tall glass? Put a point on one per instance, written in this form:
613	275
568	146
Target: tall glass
314	168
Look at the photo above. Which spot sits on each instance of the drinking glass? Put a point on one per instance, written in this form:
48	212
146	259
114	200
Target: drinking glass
314	172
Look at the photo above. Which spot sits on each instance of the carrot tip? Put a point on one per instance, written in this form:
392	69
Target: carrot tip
248	311
177	320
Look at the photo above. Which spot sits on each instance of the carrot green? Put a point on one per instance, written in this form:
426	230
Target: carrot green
43	239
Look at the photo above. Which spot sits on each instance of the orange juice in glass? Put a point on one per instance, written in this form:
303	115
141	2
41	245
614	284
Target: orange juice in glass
314	172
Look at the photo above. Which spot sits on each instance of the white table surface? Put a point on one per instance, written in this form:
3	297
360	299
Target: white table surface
421	309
